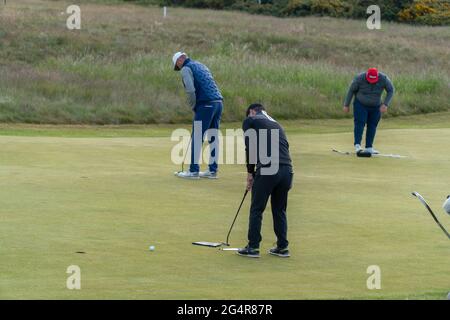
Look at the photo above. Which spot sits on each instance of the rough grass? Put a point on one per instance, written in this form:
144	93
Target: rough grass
116	70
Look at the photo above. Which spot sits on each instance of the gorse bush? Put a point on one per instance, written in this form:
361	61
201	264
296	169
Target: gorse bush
431	12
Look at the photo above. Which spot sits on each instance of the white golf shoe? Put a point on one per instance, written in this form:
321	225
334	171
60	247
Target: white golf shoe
188	175
371	150
208	174
358	148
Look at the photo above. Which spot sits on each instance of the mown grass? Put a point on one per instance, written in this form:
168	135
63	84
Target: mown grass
116	70
113	198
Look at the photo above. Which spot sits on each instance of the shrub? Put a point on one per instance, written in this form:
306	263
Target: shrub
333	8
432	12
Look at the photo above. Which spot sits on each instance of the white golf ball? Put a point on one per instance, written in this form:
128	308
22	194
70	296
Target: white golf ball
151	248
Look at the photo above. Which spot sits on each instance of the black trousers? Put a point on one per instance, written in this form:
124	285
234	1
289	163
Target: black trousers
276	187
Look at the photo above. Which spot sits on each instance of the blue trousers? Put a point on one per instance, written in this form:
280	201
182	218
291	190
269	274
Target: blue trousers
363	116
209	115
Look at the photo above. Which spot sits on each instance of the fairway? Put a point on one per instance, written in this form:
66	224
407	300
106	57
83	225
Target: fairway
112	194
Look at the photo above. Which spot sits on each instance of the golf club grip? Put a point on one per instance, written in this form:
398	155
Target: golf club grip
235	217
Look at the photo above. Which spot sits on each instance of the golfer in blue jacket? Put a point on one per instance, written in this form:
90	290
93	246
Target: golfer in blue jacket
206	101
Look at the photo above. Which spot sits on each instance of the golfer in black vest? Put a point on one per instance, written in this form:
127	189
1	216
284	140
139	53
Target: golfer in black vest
269	175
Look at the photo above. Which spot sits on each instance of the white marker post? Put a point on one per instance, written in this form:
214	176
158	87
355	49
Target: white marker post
165	12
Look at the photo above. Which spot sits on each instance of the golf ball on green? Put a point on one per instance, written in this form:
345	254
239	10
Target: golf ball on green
151	248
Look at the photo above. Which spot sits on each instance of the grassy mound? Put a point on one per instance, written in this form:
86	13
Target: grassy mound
117	70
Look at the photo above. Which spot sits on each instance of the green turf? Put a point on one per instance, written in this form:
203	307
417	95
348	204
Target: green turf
113	197
428	121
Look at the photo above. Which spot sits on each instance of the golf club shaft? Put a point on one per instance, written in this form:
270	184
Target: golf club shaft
438	222
417	195
235	217
185	155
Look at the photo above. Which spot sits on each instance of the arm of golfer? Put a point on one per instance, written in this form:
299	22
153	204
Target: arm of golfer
250	167
351	92
390	92
188	82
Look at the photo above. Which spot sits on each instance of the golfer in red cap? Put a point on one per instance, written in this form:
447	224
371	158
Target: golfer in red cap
368	88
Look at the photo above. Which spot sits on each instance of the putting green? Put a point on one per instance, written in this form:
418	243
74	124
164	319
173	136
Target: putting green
114	197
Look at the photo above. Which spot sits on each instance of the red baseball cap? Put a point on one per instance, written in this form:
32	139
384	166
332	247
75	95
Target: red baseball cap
372	75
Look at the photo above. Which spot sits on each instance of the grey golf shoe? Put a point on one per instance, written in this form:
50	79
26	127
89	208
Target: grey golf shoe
279	252
248	252
208	174
188	175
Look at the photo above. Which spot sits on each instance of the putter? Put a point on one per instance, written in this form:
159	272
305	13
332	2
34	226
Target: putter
184	159
421	199
368	155
219	244
208	244
235	217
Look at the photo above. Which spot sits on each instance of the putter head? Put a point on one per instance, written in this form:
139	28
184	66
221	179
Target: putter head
363	154
418	196
207	244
